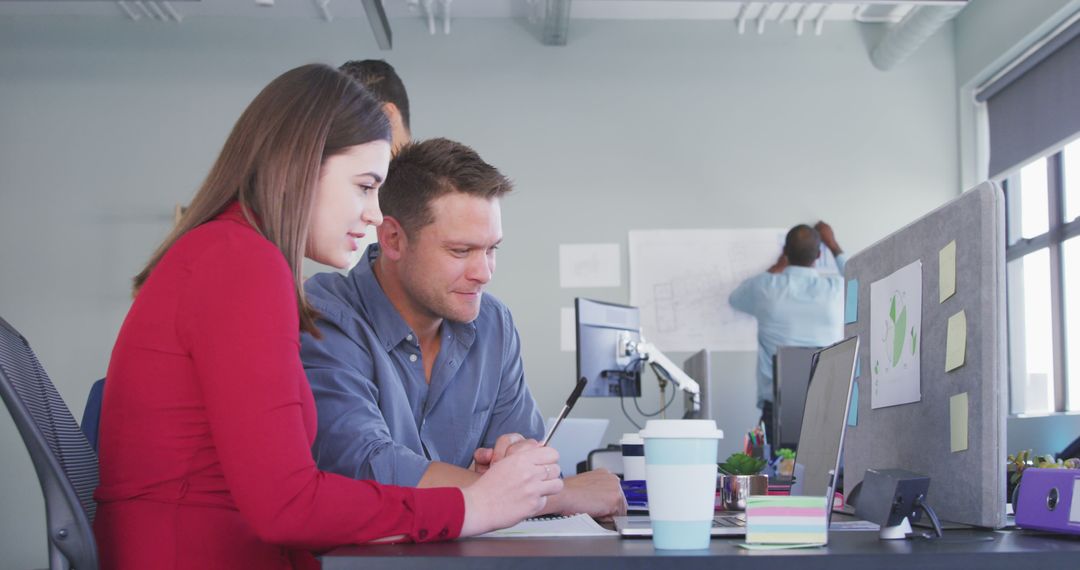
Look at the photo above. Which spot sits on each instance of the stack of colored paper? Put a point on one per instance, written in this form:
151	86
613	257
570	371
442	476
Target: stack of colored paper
772	519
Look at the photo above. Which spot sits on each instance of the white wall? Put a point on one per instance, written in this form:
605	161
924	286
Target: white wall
634	125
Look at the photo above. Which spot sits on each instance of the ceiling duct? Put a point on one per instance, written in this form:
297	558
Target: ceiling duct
910	34
556	22
380	26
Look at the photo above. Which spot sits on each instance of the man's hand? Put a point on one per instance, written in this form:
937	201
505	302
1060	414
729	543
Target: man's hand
595	493
780	264
828	237
484	457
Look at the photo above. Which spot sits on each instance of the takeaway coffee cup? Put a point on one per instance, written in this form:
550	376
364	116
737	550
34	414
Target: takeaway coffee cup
680	477
633	457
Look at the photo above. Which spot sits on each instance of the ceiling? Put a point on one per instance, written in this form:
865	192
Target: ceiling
915	20
179	10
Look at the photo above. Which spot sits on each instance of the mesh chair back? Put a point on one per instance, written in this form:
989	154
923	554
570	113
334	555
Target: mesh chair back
66	466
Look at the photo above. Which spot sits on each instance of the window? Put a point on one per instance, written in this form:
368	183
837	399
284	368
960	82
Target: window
1043	272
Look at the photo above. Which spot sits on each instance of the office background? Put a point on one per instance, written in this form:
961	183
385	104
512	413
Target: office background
106	124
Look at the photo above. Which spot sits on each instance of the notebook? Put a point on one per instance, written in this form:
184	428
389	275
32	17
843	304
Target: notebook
576	525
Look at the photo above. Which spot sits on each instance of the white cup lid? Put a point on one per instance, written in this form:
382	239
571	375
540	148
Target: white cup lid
631	439
693	429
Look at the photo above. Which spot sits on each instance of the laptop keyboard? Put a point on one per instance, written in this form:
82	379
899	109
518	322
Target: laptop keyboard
729	521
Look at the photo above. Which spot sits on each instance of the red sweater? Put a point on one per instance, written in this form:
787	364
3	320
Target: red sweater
208	420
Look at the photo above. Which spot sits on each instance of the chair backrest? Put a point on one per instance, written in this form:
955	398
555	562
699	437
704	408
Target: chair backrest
91	416
66	466
791	378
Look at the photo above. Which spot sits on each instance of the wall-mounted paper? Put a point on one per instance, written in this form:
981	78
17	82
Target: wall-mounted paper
567	330
853	412
589	265
947	271
958	422
682	279
851	302
896	338
956	341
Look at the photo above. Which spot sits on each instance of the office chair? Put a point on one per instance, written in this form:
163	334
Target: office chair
66	466
91	416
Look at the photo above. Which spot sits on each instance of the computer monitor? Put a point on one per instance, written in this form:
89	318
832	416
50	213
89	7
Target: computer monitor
601	330
697	367
828	396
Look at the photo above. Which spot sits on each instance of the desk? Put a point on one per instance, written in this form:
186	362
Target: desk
1008	550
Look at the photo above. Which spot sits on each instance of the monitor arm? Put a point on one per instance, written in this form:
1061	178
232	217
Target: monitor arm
628	348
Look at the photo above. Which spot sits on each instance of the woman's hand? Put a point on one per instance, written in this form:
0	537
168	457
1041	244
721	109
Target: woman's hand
514	488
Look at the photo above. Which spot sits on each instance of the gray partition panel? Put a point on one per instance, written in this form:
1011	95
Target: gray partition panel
966	486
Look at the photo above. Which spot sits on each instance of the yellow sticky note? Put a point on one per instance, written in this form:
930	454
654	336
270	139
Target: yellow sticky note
947	271
958	422
956	341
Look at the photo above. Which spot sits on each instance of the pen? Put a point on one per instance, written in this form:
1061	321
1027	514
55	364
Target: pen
566	409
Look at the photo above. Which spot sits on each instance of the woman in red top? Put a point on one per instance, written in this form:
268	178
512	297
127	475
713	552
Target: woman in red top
208	419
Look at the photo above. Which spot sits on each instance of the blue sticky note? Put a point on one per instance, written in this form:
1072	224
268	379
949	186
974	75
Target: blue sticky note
858	368
853	413
851	308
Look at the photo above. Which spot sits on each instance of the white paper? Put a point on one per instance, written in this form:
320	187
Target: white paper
896	337
575	525
826	262
589	265
567	330
681	280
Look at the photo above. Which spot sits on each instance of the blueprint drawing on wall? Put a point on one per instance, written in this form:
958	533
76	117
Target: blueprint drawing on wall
681	280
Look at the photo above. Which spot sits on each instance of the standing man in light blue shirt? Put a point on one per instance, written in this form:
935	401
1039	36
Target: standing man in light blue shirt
418	378
793	303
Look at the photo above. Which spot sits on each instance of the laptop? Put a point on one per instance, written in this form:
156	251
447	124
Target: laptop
822	438
574	439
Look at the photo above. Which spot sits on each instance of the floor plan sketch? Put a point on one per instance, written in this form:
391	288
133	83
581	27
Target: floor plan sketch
681	280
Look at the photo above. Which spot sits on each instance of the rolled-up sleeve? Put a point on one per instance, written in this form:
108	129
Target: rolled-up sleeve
745	297
353	438
515	410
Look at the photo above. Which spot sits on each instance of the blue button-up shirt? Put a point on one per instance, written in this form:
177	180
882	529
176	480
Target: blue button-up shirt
796	307
378	417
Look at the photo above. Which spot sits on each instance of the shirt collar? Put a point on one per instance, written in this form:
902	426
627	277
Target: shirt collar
388	323
800	270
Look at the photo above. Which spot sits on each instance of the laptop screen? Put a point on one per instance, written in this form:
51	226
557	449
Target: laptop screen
824	420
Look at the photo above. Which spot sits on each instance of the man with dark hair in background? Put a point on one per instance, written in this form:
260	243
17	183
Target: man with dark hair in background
382	81
418	379
793	303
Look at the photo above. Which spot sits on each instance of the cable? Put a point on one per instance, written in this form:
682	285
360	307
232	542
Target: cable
623	406
659	371
921	504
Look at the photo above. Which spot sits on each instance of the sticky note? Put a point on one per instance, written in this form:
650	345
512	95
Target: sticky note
956	341
958	422
853	412
858	367
947	271
851	308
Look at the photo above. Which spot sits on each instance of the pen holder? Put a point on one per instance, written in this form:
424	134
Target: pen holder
735	490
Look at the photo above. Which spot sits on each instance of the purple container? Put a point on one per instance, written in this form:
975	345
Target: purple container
1049	499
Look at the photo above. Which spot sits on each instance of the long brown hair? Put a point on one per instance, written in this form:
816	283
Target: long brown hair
270	162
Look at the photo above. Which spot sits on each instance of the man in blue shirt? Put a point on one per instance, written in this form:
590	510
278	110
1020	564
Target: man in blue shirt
418	378
793	303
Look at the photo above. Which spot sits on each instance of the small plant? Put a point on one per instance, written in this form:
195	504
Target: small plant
785	453
1025	459
742	464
